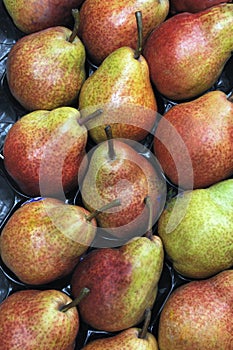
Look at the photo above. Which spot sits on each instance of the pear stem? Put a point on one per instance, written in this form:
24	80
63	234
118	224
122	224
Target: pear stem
75	13
138	50
114	203
86	119
144	330
76	301
111	151
148	203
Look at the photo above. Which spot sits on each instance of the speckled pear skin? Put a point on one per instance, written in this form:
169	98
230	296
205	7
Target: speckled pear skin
46	71
177	6
205	125
121	87
129	177
116	27
44	150
197	230
32	16
125	340
123	282
44	240
32	320
186	54
199	315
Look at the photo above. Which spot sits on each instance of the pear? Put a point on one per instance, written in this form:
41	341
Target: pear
121	87
186	54
46	69
131	338
123	282
105	27
205	127
198	315
117	170
196	229
44	239
44	151
39	320
192	5
31	16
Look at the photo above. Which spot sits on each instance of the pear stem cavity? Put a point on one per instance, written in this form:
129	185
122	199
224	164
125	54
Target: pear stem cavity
76	301
111	151
114	203
138	51
75	13
148	203
144	330
86	119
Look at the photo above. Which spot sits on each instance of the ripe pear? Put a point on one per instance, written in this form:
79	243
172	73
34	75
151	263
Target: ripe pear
196	228
198	315
43	240
38	320
186	54
32	16
45	70
124	94
131	338
117	170
123	282
105	27
44	151
192	5
205	127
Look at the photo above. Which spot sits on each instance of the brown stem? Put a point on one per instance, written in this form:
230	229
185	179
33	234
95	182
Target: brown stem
111	151
138	50
114	203
75	13
86	119
148	203
76	301
144	330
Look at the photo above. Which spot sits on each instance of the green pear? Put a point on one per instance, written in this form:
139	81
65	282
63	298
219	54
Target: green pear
39	320
44	239
198	315
104	27
121	87
123	282
32	16
117	170
205	127
45	70
186	54
131	338
44	151
196	228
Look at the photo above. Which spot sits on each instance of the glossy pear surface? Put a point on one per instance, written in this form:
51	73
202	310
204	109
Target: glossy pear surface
204	126
198	315
32	320
123	282
116	26
196	229
43	240
43	151
31	16
121	87
128	340
45	70
186	54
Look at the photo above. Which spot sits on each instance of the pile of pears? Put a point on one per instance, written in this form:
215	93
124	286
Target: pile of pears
122	169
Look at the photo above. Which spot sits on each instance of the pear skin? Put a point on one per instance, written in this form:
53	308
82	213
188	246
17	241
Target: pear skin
192	6
198	315
186	54
128	340
123	282
121	87
196	229
205	127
